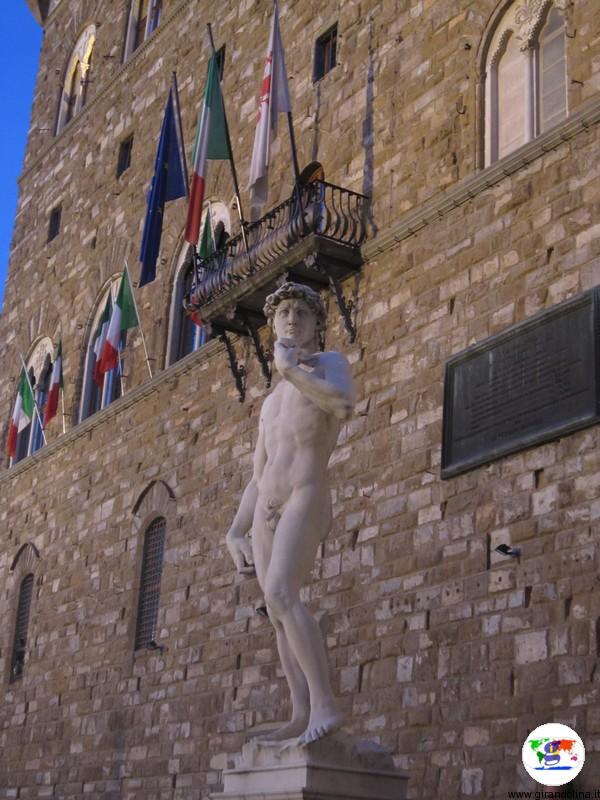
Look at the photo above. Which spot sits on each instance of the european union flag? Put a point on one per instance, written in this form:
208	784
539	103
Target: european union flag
168	183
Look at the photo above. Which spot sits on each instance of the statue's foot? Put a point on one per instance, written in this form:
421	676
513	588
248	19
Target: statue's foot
290	731
322	723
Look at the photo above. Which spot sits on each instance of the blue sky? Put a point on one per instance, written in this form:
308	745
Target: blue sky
20	42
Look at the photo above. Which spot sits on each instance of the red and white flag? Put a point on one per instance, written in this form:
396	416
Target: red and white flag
56	384
274	99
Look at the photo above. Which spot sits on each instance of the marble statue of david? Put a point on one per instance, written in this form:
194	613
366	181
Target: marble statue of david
286	507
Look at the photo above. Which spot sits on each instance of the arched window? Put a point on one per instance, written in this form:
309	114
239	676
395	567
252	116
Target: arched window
74	93
144	18
100	390
39	372
185	336
19	648
149	594
525	76
552	71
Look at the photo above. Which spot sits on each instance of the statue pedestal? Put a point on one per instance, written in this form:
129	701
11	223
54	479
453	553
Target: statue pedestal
338	767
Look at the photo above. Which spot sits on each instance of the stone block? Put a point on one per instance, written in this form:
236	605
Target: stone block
338	767
531	647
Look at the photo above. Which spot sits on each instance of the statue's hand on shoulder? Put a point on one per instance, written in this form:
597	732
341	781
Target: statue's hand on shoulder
240	550
286	355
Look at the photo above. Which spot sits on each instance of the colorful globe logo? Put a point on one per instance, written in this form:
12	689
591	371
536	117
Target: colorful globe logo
553	754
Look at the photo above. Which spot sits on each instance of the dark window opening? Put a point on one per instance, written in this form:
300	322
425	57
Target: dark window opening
142	20
220	236
124	161
19	650
221	61
325	53
155	15
149	597
73	92
85	80
54	224
41	390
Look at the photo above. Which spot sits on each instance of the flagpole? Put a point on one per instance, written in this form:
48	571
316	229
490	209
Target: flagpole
35	406
293	143
139	322
121	372
62	393
62	401
290	122
232	161
210	223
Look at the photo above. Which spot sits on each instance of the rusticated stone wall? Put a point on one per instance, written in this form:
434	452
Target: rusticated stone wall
440	650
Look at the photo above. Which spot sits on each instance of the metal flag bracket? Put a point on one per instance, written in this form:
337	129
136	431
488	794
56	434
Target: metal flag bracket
237	370
346	307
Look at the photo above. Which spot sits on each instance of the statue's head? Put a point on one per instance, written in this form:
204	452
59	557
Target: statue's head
296	291
298	300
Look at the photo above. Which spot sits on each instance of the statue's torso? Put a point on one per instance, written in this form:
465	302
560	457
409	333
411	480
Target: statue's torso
299	439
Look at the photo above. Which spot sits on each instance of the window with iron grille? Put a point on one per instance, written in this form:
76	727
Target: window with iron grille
21	625
149	598
325	53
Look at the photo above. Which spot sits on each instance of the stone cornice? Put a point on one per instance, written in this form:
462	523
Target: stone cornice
124	69
104	416
439	205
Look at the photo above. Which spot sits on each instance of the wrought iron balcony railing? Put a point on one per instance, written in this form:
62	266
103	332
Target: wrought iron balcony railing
318	208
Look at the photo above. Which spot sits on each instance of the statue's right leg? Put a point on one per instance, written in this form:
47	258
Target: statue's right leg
262	546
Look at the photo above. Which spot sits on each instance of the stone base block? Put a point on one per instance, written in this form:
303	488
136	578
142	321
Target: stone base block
338	767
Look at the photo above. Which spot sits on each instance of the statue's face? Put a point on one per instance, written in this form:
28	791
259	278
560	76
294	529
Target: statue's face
295	320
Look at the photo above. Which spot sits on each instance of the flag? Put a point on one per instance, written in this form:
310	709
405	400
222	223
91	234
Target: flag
99	340
207	248
122	318
56	384
210	144
22	413
168	183
274	99
207	243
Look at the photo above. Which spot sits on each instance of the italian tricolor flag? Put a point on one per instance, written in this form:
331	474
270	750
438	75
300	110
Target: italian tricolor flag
56	384
207	243
99	340
206	249
123	317
210	143
22	414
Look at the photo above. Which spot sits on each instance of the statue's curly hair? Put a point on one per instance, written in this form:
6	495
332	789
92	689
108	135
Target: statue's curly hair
296	291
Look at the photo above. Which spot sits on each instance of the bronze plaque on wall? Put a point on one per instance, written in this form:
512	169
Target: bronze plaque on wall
536	381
